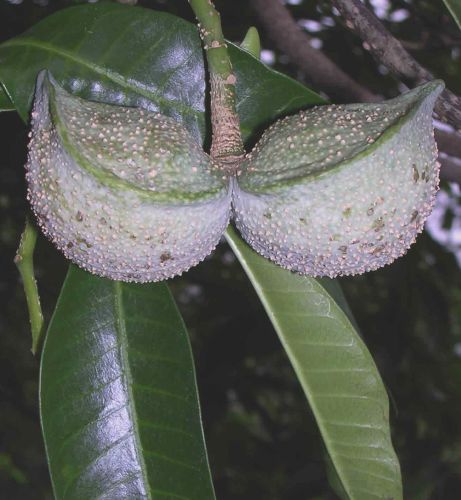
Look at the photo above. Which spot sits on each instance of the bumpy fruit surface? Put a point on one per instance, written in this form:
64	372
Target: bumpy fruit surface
124	193
128	194
340	190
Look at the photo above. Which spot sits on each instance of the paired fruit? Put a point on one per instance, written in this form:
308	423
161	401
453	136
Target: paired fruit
128	194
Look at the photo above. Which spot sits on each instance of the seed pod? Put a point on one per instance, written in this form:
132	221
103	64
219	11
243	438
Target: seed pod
123	192
341	190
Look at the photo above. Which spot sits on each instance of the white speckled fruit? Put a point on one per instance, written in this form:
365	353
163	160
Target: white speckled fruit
341	190
124	193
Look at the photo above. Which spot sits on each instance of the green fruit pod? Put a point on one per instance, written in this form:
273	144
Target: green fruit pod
124	193
341	190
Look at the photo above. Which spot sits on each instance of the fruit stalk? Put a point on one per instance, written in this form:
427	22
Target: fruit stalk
227	145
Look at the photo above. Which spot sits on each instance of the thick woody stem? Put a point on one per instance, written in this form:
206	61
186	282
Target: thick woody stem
390	52
317	68
227	146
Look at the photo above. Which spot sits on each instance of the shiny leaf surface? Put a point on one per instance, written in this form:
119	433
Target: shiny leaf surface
118	397
137	57
336	371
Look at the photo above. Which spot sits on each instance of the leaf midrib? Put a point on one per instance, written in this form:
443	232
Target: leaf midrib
120	325
110	75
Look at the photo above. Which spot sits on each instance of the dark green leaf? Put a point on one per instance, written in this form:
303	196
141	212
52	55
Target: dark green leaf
337	374
118	397
138	57
454	6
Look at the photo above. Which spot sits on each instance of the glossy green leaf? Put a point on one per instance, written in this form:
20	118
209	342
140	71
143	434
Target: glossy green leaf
137	57
118	397
337	374
454	6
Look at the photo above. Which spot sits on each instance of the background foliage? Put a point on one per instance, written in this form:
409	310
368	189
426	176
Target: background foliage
261	444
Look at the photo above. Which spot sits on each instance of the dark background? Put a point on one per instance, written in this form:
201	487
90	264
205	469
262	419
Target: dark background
263	442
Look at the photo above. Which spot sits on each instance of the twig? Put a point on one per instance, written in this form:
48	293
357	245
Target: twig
227	145
25	264
318	69
390	52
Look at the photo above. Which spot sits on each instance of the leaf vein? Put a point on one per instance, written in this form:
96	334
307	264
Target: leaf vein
160	456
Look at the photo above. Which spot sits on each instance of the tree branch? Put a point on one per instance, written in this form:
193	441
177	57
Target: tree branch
325	75
319	70
389	51
451	169
448	142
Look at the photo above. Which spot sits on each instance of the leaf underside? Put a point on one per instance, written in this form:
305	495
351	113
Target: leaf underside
336	371
137	57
